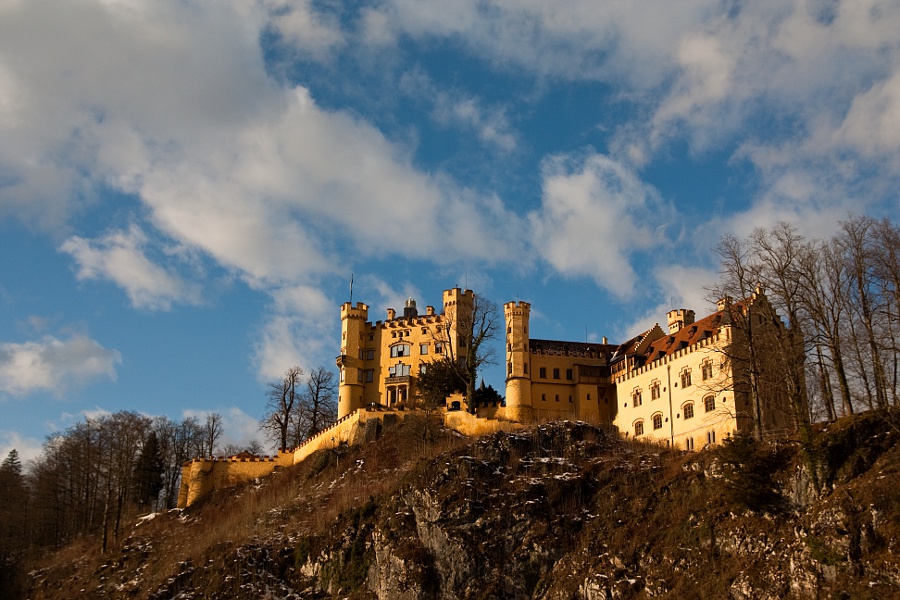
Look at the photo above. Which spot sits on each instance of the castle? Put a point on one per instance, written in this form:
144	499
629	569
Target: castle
684	388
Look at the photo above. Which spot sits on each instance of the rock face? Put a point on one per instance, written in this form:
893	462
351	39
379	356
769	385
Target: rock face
567	510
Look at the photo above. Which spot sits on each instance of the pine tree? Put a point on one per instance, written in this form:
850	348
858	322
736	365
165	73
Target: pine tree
13	507
147	479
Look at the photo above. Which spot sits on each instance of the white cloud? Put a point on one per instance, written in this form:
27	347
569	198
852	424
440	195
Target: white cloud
238	428
453	108
313	32
119	257
596	215
27	447
54	365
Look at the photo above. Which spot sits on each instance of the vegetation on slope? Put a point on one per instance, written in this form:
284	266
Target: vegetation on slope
563	510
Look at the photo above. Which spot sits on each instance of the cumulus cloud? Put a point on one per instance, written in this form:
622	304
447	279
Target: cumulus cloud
54	365
595	215
120	258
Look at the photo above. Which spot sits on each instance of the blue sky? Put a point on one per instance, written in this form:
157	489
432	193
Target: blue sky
187	187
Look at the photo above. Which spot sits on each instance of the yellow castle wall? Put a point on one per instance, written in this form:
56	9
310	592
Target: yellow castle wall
368	356
706	426
202	475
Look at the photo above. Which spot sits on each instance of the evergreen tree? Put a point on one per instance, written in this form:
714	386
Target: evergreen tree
13	508
147	480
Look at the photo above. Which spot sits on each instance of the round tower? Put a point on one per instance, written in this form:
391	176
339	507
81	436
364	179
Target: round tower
518	370
351	389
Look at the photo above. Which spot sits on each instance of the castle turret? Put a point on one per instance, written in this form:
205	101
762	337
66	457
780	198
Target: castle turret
458	308
518	375
679	318
351	390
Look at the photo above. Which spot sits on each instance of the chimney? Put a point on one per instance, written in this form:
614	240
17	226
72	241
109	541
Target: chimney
410	311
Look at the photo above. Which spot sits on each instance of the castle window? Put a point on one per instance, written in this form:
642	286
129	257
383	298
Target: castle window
370	354
636	397
711	437
543	397
438	348
689	444
509	347
509	329
557	397
371	337
570	399
686	378
638	428
709	403
542	373
423	349
555	373
570	375
654	390
399	350
509	368
689	410
398	370
707	370
424	331
526	368
657	421
423	368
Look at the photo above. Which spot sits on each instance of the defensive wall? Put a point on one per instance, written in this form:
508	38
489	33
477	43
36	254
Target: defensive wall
205	474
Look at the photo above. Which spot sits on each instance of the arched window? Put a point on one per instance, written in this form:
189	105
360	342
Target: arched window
654	390
686	378
689	410
709	403
636	397
657	421
638	428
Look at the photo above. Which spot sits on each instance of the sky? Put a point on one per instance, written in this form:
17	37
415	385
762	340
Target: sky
187	187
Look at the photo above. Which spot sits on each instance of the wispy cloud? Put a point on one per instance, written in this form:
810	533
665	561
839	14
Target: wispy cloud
119	257
456	109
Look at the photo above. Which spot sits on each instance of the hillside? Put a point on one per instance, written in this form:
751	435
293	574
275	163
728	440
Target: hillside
564	510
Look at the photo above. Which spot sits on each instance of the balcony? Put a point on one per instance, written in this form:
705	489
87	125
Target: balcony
397	379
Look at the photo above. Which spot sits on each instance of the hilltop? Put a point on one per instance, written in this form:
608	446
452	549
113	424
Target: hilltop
562	510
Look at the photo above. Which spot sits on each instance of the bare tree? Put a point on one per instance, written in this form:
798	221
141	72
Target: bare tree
466	334
318	403
212	431
282	404
857	242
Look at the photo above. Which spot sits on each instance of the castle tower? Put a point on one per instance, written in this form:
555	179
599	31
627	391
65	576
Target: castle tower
518	375
458	308
351	390
679	318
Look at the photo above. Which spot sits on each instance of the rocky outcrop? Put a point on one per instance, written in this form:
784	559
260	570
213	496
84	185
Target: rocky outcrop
566	511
